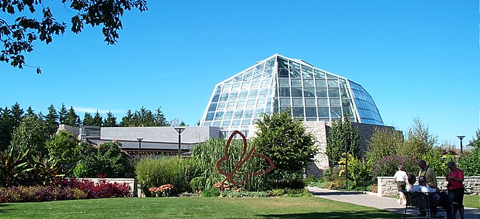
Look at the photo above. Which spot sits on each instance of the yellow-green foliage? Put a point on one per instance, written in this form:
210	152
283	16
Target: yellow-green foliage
154	172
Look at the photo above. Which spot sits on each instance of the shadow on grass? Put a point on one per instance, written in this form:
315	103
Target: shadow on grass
339	215
336	193
5	207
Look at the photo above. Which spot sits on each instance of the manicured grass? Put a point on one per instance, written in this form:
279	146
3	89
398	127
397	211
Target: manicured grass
277	207
471	201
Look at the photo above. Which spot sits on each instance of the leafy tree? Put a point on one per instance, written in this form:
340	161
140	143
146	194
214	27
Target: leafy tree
470	162
62	114
63	146
341	130
110	121
33	24
127	120
419	141
72	118
97	119
30	135
475	142
384	142
87	119
284	140
51	121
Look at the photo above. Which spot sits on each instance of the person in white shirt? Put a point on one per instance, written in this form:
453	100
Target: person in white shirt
436	198
400	178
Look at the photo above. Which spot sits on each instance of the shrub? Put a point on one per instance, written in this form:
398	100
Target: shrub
388	165
239	194
162	191
40	193
153	172
470	162
210	192
103	189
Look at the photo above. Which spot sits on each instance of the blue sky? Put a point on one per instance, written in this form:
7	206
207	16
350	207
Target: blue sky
418	59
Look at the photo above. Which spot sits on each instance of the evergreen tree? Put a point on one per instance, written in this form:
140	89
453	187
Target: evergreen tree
87	119
17	115
97	119
160	118
51	120
62	113
475	142
5	128
337	134
72	118
110	121
30	111
127	120
143	118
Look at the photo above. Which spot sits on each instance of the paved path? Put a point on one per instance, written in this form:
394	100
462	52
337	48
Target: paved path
371	200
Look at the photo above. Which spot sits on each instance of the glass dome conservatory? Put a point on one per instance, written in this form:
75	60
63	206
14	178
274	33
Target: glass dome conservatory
280	83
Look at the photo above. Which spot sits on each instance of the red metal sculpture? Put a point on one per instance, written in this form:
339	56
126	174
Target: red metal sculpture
241	162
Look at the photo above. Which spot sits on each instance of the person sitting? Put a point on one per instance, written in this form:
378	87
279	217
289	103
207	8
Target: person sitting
436	198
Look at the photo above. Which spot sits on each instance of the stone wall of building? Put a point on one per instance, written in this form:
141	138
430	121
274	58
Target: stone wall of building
320	160
386	186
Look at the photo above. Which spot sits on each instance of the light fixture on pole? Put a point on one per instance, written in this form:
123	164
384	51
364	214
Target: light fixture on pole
139	147
461	146
179	130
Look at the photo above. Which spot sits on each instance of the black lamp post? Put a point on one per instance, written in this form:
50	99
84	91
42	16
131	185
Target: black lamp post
461	146
179	130
139	147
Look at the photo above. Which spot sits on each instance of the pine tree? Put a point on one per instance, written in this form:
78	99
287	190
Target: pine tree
30	111
5	128
160	118
110	121
97	119
87	119
51	120
72	118
17	115
62	113
127	120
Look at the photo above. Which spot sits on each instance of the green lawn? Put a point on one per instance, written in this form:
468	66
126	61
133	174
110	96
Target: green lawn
277	207
471	201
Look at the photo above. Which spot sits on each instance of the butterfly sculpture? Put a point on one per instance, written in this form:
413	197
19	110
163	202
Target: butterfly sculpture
243	158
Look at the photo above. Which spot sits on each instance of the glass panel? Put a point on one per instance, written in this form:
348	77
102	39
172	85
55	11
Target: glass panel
307	72
311	119
266	83
311	111
283	73
284	92
209	116
308	83
285	102
334	102
218	89
217	124
212	107
330	76
346	103
224	97
207	123
235	123
245	85
242	95
348	111
321	83
240	104
297	102
238	78
255	84
238	114
231	105
248	75
259	67
321	92
219	115
248	114
309	101
228	115
283	82
296	83
227	87
309	92
297	92
294	69
263	93
332	83
323	112
258	113
226	123
233	96
246	122
236	86
260	102
298	111
336	112
257	75
253	94
221	106
333	92
322	102
319	74
215	98
250	103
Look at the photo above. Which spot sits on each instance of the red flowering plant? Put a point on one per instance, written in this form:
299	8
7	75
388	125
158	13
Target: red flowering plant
162	191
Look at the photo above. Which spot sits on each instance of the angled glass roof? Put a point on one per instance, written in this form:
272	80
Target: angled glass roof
280	83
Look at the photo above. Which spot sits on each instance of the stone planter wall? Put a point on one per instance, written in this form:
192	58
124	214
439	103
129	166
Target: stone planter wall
386	186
